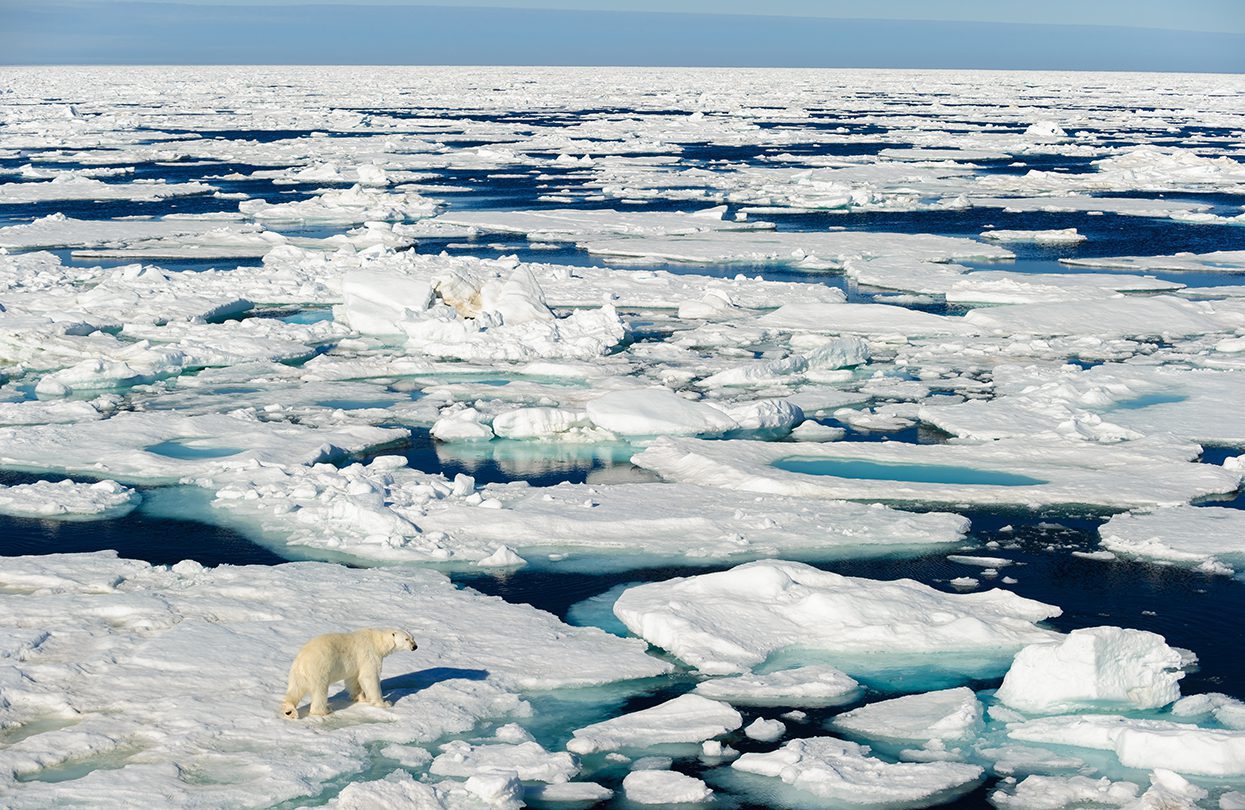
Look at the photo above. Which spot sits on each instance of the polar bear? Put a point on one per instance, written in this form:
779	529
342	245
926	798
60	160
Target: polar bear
351	657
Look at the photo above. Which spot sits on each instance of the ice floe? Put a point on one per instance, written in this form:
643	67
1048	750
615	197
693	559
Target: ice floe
1095	668
685	719
1037	471
124	690
824	769
1209	538
730	621
67	500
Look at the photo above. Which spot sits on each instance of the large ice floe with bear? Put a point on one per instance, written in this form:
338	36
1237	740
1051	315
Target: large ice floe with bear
828	440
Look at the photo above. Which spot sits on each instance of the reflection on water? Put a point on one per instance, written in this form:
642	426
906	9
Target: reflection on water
541	464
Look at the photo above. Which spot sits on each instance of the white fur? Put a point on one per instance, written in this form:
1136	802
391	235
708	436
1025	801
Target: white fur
351	657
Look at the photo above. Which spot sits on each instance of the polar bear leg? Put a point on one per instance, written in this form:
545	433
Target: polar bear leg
293	696
319	699
353	689
369	679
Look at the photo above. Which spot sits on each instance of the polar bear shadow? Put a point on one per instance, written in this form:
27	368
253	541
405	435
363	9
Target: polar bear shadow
400	686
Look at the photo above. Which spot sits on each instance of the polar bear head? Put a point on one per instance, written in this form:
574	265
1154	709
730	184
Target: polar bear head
399	640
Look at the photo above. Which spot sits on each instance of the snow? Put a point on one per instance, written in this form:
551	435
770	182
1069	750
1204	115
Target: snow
685	719
387	511
1056	792
728	622
804	251
575	225
1060	236
67	500
829	770
1052	470
863	319
1158	316
74	187
664	787
1143	743
948	715
527	760
1094	668
58	230
397	791
1109	403
1210	538
764	730
355	205
811	686
154	446
112	678
364	297
656	412
570	793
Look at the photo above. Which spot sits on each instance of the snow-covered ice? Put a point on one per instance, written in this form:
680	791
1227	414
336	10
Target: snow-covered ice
1094	668
685	719
67	500
730	621
1209	538
108	676
825	769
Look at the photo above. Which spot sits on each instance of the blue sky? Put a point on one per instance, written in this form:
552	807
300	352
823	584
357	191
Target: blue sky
1047	34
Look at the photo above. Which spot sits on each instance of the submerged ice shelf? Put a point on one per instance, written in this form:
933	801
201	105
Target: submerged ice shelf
825	385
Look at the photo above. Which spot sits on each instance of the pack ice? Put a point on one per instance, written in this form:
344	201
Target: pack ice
729	622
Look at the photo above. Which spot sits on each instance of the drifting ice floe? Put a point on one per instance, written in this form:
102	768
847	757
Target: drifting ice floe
155	446
1094	668
822	769
805	251
1210	538
387	511
946	716
124	692
1039	471
66	500
809	686
685	719
1168	790
355	205
577	225
1143	743
664	787
728	622
1062	236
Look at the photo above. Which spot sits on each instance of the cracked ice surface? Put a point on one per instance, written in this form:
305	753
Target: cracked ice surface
727	622
109	675
534	275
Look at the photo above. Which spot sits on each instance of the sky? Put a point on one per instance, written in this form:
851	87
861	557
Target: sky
1160	35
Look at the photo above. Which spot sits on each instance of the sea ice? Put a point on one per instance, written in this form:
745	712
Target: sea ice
1143	743
1036	471
1094	668
1210	538
811	686
163	446
947	716
730	621
664	787
67	500
685	719
830	770
138	675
